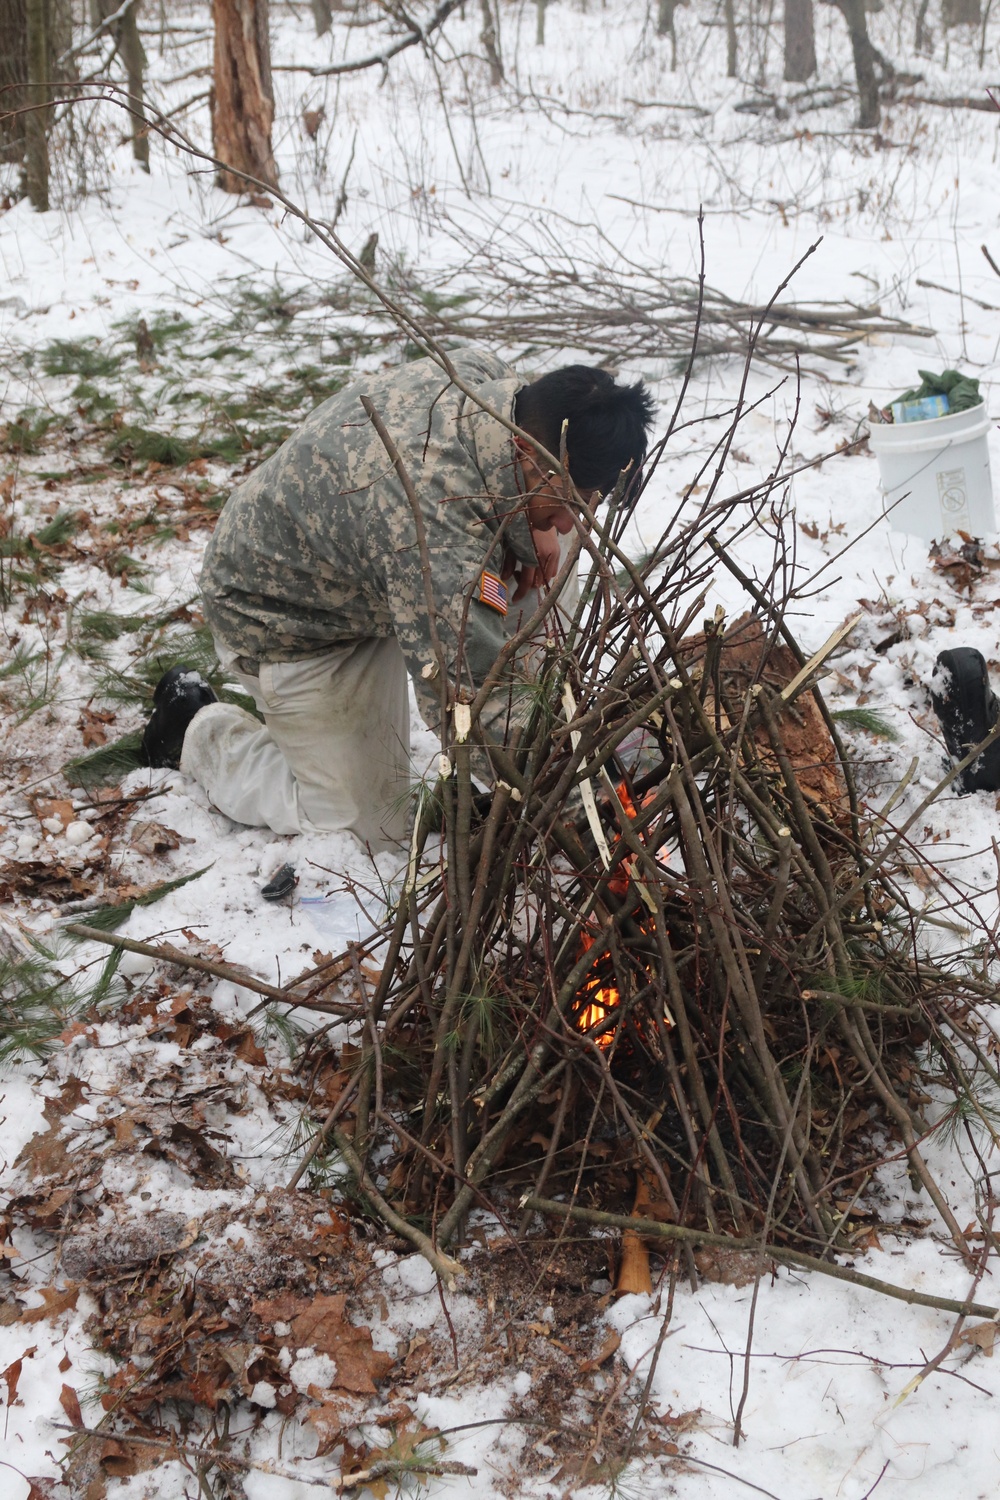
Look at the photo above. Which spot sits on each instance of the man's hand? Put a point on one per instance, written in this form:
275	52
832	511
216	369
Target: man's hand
546	545
524	578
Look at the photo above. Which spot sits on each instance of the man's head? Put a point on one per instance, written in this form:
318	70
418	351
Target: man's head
607	423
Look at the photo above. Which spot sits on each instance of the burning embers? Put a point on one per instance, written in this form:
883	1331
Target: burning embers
600	997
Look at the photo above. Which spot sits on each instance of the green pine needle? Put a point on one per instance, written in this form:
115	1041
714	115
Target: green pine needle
106	766
107	918
868	720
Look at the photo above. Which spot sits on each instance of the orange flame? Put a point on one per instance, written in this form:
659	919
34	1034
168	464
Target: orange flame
602	999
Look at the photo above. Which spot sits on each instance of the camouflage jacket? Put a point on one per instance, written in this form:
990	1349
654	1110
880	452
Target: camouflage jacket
319	546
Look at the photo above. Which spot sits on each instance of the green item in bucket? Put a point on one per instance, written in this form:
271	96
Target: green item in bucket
962	390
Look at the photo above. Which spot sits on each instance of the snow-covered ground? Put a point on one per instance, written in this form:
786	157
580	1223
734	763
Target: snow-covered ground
578	154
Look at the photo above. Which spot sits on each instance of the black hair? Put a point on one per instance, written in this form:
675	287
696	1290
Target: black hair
607	422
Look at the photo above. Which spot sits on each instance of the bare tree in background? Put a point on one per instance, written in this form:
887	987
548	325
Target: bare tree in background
242	96
729	11
323	15
665	26
35	38
126	36
36	143
961	13
800	41
865	58
488	37
13	77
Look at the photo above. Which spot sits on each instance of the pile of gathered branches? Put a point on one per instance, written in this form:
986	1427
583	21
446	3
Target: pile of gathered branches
666	966
581	292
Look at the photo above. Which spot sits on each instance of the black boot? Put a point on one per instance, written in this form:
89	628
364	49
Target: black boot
179	695
967	711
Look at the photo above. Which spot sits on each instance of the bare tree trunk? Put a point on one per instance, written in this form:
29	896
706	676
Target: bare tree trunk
59	26
539	23
35	120
488	37
800	41
323	16
853	12
729	11
134	59
13	77
665	26
126	34
982	35
922	39
242	98
961	13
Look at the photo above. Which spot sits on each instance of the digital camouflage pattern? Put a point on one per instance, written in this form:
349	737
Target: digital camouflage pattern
319	546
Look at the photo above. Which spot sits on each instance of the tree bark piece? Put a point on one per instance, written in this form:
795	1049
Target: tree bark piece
242	96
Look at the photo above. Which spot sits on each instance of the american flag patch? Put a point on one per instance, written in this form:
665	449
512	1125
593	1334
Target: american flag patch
493	591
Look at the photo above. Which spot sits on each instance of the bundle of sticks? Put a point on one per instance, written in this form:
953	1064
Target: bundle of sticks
670	963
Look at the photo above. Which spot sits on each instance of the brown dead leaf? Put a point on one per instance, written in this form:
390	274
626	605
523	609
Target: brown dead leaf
312	119
578	1471
322	1324
41	1488
53	809
680	1421
70	1403
92	726
121	1459
244	1045
604	1353
154	838
12	1374
961	565
331	1421
50	1211
398	1415
51	880
55	1300
981	1336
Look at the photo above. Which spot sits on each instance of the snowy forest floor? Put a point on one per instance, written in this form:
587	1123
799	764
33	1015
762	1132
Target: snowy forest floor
157	338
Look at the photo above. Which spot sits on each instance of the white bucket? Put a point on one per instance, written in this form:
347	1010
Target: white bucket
939	472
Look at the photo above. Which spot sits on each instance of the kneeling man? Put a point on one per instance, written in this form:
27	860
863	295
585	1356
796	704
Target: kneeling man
315	592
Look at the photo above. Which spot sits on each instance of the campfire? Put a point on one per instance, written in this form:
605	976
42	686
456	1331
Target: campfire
668	949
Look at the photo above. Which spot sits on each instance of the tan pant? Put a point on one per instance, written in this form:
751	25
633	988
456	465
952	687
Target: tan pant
333	751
